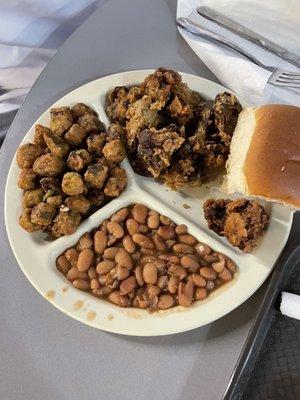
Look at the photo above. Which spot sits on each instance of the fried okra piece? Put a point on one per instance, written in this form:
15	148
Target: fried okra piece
215	214
65	223
96	197
55	201
156	148
115	131
76	135
226	109
91	123
51	186
78	159
95	143
95	175
245	222
80	109
40	130
33	197
72	184
42	214
116	182
27	154
78	203
114	151
26	223
27	179
61	120
57	145
48	165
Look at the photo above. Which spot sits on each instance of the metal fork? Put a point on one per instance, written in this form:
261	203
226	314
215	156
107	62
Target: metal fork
279	76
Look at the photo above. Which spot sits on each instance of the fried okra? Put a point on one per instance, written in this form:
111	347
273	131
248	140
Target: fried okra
61	120
56	196
65	223
42	214
27	179
79	159
78	203
91	123
76	135
26	223
40	130
51	185
114	151
116	182
95	143
57	145
79	109
48	165
72	184
95	175
33	197
27	154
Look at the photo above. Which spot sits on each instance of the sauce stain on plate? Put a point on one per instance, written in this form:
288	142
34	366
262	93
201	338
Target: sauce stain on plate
78	305
50	294
65	289
110	317
91	315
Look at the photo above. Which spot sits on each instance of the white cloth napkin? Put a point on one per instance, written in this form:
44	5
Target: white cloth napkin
290	305
278	20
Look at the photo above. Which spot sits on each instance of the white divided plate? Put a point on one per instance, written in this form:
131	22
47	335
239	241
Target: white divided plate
36	256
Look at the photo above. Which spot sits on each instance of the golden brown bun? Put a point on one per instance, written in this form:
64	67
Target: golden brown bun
264	156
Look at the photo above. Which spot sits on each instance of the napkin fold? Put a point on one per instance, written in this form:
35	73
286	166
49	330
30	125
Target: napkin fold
274	20
290	305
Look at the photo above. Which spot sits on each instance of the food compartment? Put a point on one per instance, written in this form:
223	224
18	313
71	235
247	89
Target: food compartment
140	258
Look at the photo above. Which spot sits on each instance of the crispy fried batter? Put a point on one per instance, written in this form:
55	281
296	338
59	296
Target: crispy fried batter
241	221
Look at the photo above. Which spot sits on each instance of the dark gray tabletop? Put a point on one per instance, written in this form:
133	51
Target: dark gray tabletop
47	355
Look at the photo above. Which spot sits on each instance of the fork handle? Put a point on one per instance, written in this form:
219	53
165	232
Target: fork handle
196	29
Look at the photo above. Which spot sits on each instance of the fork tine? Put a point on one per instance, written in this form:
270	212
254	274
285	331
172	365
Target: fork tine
287	78
290	73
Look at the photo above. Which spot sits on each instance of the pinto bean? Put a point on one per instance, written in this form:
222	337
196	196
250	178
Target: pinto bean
166	232
62	264
185	293
165	220
122	272
132	226
187	239
189	261
153	220
118	299
72	256
128	244
115	229
85	260
165	301
225	275
177	271
218	266
123	259
150	273
120	215
81	284
197	280
181	248
85	242
73	274
202	249
142	240
105	266
173	284
208	273
139	276
100	242
139	213
200	293
110	253
159	243
181	229
128	285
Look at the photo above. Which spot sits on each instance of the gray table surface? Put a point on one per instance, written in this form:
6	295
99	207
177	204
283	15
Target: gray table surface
43	353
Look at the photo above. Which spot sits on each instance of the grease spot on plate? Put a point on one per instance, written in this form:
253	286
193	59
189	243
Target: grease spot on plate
110	317
50	294
186	206
65	288
91	315
78	305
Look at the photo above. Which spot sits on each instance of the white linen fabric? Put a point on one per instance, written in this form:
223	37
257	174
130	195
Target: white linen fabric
277	20
30	33
290	305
